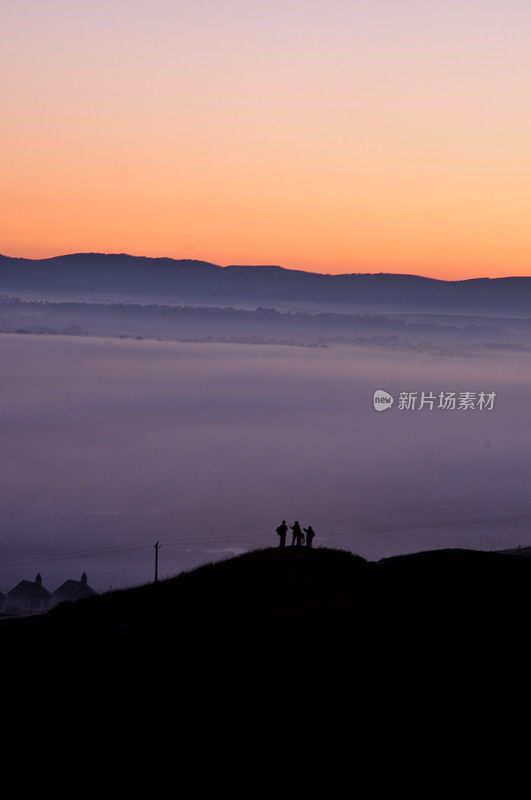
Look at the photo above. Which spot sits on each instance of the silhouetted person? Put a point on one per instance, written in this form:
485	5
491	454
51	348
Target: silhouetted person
282	531
298	535
310	535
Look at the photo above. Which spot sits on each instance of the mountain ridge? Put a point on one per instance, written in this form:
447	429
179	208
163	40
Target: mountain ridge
275	267
195	280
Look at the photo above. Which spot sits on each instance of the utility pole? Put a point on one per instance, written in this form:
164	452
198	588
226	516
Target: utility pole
157	548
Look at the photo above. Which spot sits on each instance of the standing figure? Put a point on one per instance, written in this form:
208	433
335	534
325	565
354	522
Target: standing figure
282	531
310	534
298	535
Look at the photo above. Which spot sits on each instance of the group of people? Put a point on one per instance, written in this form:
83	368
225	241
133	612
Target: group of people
298	538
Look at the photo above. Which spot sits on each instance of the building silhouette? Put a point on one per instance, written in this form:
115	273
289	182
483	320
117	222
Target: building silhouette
31	597
28	597
70	591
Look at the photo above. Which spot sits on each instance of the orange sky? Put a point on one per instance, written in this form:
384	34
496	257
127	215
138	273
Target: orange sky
343	136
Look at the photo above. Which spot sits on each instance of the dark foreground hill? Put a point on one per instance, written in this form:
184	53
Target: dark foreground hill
185	281
328	612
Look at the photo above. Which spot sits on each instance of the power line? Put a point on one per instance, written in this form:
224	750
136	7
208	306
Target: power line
430	525
232	542
115	550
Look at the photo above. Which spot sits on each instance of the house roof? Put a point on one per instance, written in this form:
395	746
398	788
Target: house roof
73	590
26	590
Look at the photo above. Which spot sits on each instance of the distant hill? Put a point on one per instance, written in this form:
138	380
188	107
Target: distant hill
180	281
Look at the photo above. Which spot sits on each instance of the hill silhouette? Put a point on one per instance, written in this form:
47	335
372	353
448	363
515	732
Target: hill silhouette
185	280
329	611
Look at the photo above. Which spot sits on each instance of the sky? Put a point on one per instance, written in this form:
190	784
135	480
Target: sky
337	136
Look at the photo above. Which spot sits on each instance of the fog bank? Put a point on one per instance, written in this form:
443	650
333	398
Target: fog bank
115	444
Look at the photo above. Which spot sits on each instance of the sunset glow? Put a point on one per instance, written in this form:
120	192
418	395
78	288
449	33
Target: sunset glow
339	136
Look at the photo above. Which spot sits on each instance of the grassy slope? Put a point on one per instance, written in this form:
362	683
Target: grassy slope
279	605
